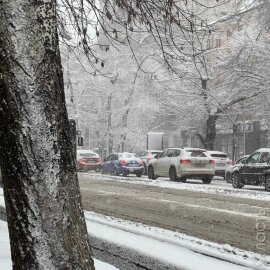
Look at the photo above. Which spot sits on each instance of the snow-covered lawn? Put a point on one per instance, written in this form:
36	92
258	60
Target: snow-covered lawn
219	187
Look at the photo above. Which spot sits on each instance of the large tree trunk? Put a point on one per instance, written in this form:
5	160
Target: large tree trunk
43	202
234	142
208	141
123	136
109	126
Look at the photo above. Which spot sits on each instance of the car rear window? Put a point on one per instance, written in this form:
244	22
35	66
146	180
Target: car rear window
219	155
196	153
154	153
87	155
127	155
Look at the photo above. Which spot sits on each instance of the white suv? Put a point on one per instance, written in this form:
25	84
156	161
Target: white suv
182	163
222	162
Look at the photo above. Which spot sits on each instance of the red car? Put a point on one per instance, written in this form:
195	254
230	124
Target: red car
88	160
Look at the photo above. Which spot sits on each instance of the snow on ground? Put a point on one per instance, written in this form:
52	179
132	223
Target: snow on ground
218	187
5	259
171	248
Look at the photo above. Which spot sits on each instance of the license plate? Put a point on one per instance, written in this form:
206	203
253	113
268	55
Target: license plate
131	170
199	165
132	165
90	162
221	164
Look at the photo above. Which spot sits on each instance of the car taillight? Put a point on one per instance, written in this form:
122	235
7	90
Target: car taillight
123	162
81	160
212	161
229	162
185	161
99	160
141	162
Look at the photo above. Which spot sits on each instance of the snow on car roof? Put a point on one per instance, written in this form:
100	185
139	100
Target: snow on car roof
263	150
85	151
194	149
216	152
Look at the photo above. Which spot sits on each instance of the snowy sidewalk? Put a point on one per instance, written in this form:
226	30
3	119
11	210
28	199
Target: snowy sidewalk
174	250
5	260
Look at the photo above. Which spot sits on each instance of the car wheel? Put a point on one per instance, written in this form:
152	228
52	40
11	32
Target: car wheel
139	175
151	173
97	170
207	180
115	172
172	174
183	179
267	183
236	181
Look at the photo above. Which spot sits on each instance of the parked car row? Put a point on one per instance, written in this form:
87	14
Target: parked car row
181	163
115	164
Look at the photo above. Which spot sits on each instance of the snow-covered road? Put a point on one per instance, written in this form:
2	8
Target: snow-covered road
218	185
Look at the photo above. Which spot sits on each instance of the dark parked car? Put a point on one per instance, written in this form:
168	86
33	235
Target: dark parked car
254	171
123	163
239	162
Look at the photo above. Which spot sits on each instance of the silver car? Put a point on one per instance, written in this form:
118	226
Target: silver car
222	162
146	156
182	163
